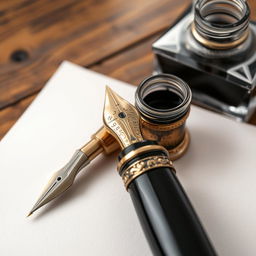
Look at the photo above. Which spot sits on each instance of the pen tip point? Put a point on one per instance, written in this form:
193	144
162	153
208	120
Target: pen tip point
30	214
108	89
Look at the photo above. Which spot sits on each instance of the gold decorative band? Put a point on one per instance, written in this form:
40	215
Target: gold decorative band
216	45
141	166
138	151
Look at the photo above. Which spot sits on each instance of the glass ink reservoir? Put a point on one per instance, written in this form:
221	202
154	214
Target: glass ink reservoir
213	48
163	102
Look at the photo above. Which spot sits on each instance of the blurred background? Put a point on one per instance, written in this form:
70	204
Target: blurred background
113	37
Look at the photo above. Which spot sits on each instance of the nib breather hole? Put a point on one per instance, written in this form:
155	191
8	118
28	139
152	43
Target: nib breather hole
59	178
122	115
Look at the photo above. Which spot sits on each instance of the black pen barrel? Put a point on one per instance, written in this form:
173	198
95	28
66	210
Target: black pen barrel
167	216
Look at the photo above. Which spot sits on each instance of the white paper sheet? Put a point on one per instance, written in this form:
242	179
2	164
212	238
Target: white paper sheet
96	216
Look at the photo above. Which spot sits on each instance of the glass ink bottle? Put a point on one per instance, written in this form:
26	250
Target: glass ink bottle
212	47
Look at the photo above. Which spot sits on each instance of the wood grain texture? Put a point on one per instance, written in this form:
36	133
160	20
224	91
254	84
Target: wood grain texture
84	32
130	66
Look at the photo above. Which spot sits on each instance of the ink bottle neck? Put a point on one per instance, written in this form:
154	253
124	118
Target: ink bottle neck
221	24
163	98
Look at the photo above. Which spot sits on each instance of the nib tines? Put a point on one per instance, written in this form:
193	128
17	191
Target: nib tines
61	180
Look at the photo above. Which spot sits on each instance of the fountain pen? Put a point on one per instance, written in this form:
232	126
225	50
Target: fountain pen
167	217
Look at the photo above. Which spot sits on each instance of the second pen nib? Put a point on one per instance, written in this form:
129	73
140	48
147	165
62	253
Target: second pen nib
62	179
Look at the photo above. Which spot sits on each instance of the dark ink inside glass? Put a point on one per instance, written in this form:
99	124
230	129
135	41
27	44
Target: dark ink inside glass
163	99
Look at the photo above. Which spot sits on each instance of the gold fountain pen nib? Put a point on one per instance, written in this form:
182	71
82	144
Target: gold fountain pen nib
121	119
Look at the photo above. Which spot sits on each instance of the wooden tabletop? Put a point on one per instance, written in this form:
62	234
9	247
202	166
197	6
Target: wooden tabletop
113	37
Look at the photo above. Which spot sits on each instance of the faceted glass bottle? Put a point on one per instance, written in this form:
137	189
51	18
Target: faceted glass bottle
212	47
